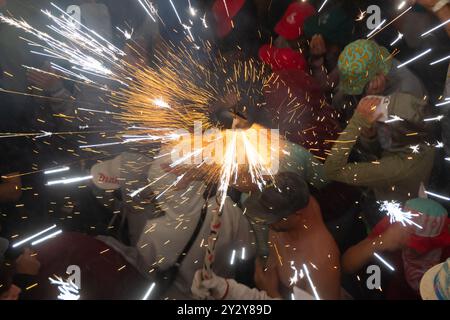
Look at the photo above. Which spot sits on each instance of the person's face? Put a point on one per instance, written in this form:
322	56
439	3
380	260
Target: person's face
11	294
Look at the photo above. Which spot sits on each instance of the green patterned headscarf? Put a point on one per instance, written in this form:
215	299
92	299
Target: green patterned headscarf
359	63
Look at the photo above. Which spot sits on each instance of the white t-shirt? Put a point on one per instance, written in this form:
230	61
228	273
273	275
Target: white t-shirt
163	239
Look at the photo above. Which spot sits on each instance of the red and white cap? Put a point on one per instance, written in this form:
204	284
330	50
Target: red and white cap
290	26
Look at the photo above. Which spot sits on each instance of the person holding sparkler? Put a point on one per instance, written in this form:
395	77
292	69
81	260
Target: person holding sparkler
413	247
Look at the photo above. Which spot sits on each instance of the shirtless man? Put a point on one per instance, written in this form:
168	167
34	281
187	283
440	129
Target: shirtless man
298	238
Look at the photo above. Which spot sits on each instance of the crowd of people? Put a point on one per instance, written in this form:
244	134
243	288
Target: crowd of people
362	125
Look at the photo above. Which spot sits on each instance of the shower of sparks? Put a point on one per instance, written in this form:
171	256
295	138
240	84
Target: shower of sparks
51	235
33	236
437	196
68	290
313	287
69	180
384	261
440	60
57	170
376	28
435	28
415	58
323	5
396	214
399	37
438	118
149	291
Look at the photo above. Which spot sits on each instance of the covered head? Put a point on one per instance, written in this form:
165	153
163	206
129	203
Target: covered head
288	194
359	63
290	26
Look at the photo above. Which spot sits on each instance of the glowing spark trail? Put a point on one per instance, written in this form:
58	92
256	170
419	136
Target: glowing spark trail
70	180
438	118
396	214
377	28
51	235
233	255
393	20
414	59
33	236
401	5
149	291
383	261
311	284
437	195
323	5
399	37
443	103
394	119
440	60
52	171
435	28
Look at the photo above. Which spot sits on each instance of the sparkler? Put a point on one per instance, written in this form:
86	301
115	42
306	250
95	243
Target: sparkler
396	213
384	261
415	58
